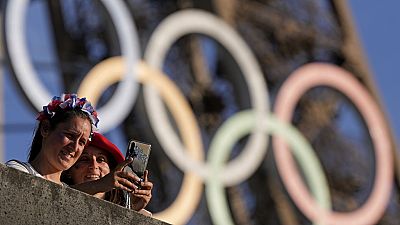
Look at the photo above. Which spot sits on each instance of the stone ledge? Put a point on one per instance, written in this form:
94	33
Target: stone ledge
26	199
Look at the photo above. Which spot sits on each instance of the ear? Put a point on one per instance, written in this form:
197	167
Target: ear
45	128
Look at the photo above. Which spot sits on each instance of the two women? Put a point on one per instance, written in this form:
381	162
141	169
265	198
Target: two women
65	128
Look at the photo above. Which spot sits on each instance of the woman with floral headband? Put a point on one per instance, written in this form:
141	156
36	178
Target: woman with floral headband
65	128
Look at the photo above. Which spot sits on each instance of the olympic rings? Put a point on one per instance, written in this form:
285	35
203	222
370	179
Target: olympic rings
238	126
114	112
323	74
197	21
110	71
188	156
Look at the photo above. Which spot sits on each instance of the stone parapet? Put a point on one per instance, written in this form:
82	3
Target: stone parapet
26	199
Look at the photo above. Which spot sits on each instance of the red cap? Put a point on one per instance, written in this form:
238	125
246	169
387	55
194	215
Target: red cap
99	141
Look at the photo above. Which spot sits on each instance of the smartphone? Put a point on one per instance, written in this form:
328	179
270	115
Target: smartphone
140	153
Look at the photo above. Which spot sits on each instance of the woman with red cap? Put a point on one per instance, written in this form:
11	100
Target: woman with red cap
99	171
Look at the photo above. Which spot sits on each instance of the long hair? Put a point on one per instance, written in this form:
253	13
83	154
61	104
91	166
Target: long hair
59	117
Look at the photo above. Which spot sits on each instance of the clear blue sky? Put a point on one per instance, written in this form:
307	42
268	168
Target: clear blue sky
378	27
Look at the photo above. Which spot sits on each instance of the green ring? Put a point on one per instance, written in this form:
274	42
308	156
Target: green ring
237	127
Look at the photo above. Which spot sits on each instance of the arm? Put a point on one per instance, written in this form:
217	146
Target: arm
117	179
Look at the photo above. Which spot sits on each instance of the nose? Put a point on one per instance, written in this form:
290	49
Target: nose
76	147
72	147
93	163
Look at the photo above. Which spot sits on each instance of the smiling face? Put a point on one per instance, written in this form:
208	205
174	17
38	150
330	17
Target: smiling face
63	145
92	165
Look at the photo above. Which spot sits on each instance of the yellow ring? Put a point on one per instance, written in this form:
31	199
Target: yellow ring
111	71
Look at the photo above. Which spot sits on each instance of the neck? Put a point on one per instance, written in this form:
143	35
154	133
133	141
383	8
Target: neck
45	169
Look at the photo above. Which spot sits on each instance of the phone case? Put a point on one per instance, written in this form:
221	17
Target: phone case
140	153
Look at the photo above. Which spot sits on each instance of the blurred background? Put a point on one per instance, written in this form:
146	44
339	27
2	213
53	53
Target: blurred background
49	47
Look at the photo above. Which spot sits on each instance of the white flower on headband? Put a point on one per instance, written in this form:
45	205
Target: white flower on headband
67	102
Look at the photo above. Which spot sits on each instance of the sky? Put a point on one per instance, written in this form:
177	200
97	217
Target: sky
376	23
379	33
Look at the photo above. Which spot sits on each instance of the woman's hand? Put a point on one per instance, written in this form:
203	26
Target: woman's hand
120	179
141	197
116	179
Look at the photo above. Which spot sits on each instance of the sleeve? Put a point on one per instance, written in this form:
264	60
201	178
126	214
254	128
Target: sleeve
17	165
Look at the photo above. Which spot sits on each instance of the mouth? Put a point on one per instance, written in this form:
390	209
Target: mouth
92	177
67	154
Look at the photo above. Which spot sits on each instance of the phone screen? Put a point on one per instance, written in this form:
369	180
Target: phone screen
140	153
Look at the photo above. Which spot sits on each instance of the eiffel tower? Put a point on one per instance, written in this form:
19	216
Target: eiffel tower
283	35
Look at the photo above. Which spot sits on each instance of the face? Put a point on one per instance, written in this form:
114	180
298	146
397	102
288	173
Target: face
63	146
92	165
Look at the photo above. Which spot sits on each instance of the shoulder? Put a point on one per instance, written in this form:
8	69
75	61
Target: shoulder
17	165
23	166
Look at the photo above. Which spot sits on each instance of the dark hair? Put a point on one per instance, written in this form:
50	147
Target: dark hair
59	117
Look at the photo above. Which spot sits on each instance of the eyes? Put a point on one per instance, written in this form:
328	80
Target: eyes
73	137
85	158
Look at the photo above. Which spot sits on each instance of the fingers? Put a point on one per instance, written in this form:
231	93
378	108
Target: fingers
142	196
121	166
122	180
145	175
128	175
127	180
145	190
141	192
146	185
124	187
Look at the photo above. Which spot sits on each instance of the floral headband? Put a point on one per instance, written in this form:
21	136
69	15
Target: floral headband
68	101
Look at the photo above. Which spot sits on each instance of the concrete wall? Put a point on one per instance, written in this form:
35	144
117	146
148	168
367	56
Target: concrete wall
25	199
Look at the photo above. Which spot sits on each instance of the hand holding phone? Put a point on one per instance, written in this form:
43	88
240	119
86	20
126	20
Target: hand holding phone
140	153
